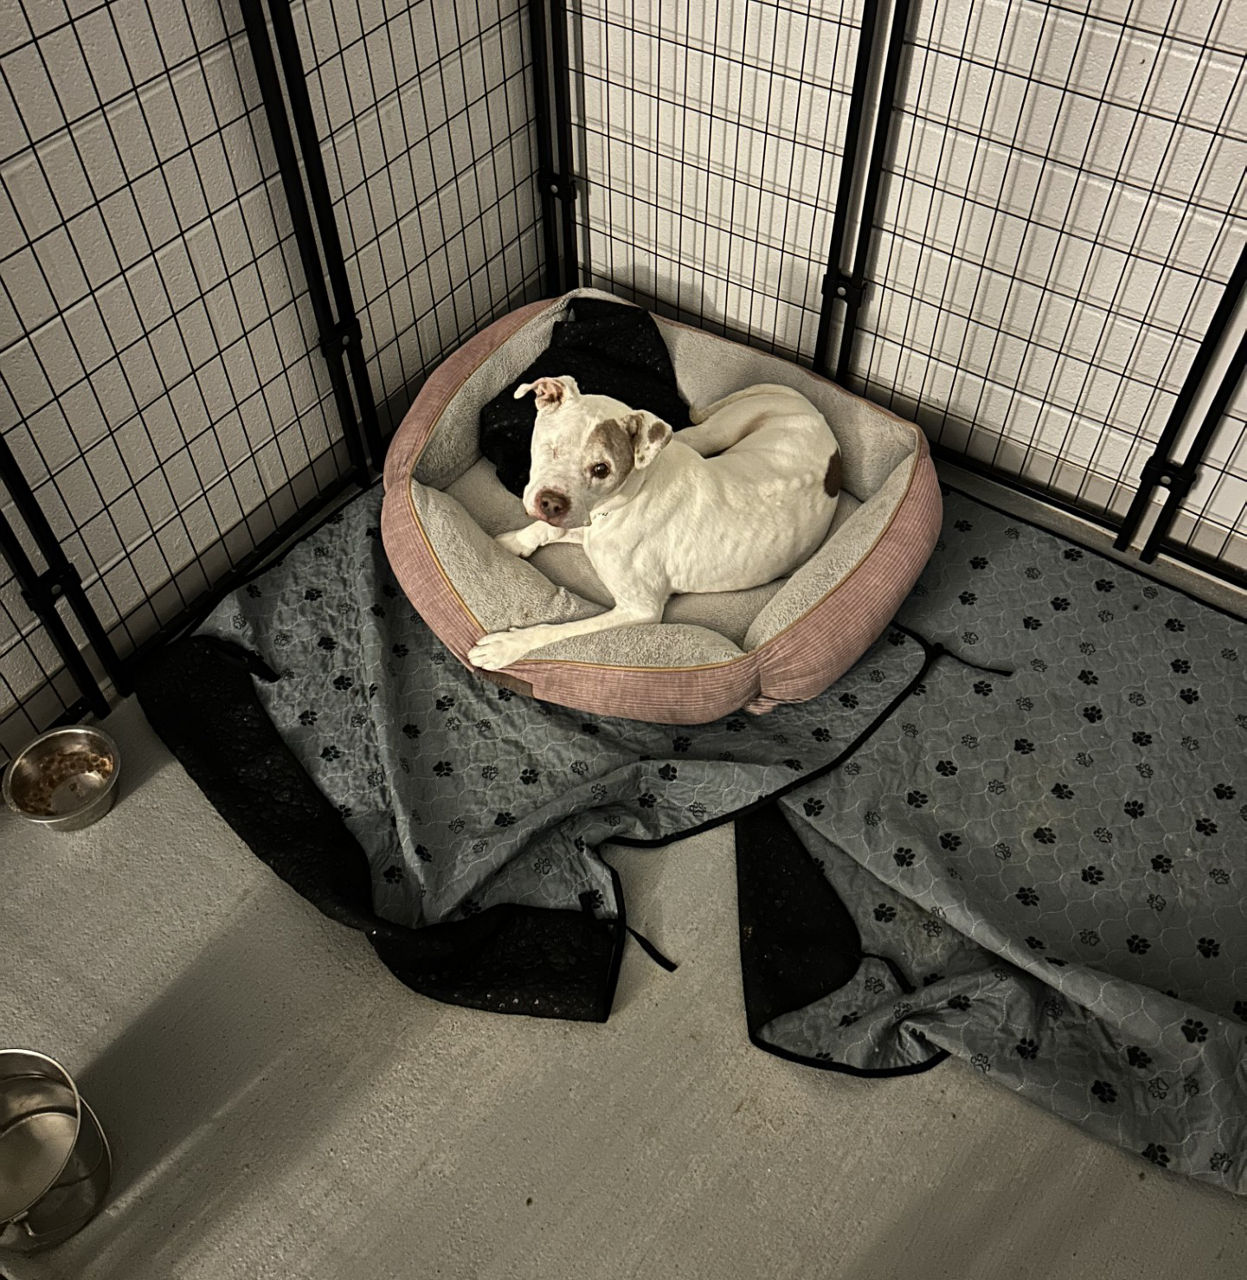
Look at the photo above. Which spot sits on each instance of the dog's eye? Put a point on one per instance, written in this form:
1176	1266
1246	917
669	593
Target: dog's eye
600	470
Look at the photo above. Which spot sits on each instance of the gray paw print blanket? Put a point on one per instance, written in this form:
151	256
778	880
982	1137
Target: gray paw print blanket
1014	832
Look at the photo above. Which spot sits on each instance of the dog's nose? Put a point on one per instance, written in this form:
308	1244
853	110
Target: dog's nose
552	504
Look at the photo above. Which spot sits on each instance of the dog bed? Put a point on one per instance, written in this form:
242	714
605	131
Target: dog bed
712	653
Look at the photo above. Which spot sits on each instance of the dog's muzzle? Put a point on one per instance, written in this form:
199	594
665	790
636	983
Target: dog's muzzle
550	505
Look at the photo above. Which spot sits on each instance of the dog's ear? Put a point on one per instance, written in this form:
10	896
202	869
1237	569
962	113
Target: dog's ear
551	392
648	435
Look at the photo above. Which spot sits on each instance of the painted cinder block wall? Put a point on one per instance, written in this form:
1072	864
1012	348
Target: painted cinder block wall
1064	199
160	383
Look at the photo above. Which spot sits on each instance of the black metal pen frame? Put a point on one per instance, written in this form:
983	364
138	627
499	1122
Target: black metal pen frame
54	592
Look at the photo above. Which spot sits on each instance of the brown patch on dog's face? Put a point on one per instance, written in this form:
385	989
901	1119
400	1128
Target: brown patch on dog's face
610	445
831	481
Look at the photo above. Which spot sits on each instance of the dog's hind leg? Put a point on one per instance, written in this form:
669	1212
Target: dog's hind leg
731	421
699	413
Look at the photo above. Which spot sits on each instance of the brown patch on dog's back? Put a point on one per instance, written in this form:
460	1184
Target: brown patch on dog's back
831	481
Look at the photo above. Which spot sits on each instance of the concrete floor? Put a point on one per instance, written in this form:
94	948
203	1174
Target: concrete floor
280	1106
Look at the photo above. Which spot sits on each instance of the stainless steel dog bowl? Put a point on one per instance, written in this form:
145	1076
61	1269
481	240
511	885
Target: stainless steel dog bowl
64	779
55	1165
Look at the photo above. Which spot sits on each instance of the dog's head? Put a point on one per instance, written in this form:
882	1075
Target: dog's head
585	448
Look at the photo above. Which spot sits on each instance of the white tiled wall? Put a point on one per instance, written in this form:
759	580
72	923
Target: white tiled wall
155	377
160	382
1067	199
426	119
710	143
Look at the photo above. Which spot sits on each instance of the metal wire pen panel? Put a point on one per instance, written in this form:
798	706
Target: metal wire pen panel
1212	520
1064	206
424	112
709	144
35	688
159	387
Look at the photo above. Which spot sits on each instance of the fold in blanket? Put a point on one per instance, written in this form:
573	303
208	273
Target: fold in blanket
1039	872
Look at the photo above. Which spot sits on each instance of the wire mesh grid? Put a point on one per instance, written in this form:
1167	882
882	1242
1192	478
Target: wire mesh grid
425	117
1063	208
35	687
1212	520
709	144
159	390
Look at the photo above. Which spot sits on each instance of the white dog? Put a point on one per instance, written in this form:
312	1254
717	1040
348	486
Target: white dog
658	513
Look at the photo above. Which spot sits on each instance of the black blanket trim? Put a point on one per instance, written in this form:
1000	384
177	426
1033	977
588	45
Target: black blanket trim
798	942
199	697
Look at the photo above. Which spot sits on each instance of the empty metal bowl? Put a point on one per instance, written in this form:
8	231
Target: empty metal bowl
64	779
55	1164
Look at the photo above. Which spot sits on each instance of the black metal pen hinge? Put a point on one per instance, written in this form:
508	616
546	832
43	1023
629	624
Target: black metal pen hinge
1177	477
49	587
845	288
342	336
559	185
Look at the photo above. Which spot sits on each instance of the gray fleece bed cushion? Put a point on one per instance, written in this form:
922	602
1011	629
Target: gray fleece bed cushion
712	653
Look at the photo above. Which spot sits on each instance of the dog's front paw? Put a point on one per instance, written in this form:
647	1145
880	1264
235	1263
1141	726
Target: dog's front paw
499	649
515	542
